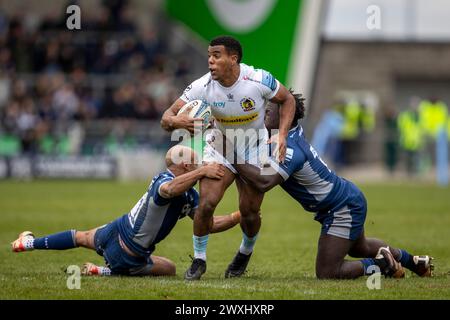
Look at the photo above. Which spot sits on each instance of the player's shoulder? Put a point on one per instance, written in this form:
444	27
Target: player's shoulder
163	177
258	76
304	148
295	136
201	82
205	79
195	90
296	143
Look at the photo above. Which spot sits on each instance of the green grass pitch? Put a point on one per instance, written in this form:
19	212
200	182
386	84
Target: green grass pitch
411	216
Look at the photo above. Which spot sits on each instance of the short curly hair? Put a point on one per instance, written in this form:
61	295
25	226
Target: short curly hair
299	106
232	45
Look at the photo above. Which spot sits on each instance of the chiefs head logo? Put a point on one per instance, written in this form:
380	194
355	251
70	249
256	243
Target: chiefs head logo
247	104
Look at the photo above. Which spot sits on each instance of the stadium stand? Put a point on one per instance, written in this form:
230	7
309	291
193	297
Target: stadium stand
86	93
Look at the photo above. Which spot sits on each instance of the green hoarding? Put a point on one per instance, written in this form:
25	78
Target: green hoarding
266	28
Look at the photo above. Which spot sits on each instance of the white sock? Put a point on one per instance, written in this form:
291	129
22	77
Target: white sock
200	244
200	255
28	243
247	244
104	271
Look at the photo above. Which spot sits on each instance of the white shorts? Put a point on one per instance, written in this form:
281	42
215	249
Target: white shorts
256	153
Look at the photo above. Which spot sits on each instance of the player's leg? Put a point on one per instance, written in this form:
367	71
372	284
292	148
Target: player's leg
330	263
162	267
211	192
342	231
85	239
369	247
157	266
250	201
119	259
58	241
249	205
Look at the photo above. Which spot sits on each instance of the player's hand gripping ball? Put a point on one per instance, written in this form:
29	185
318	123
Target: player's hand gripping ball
198	109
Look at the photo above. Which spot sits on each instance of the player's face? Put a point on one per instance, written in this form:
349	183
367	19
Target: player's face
220	62
272	116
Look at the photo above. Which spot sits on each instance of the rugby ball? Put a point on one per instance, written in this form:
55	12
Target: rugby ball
198	109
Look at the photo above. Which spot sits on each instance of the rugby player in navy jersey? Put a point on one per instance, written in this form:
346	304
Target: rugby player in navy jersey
127	244
338	205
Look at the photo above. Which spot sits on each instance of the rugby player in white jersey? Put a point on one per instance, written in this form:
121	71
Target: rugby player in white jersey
237	94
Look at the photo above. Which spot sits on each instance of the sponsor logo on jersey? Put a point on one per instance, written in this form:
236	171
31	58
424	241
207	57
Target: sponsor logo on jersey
238	120
186	210
218	104
247	104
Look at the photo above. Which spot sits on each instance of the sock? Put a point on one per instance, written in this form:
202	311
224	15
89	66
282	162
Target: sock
104	271
247	244
367	264
200	244
29	243
407	260
58	241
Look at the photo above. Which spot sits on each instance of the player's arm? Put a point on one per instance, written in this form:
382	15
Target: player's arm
286	102
184	182
171	120
261	181
224	222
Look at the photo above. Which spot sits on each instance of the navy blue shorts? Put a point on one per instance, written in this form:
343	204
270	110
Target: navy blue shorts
106	240
346	220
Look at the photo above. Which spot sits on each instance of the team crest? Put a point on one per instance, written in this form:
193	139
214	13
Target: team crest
248	104
186	210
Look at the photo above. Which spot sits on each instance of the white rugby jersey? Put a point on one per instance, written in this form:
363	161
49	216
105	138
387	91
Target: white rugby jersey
241	106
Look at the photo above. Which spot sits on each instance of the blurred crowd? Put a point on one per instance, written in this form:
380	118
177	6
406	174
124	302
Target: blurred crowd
423	132
416	135
341	127
51	76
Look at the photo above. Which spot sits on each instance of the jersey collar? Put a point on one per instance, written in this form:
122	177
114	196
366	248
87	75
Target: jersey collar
168	170
241	72
297	127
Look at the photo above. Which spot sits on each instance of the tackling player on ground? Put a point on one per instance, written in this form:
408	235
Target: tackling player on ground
237	95
338	205
128	242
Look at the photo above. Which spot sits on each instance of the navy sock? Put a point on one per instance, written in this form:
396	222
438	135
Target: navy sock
367	263
58	241
407	260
